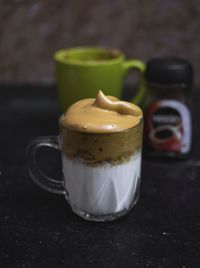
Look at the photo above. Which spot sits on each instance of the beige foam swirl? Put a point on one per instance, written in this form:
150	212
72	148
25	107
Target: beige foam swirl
105	114
113	104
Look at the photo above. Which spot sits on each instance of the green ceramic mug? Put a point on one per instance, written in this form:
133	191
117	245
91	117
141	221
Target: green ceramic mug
82	71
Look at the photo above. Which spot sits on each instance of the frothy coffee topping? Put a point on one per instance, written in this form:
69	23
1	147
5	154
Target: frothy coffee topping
105	114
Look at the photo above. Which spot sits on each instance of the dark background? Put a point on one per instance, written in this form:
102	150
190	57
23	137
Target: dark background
37	228
31	31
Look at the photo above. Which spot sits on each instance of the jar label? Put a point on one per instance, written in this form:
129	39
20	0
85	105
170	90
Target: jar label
168	126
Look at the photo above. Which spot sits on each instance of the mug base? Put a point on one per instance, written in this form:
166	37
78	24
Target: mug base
108	217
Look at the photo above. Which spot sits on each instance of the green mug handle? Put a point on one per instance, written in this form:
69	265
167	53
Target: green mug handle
140	66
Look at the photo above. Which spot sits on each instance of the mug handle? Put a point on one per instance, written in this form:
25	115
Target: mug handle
45	182
140	66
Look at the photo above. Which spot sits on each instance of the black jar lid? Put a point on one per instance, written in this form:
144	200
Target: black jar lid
169	71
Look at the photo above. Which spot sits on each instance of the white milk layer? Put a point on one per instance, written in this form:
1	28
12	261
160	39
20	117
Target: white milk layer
102	189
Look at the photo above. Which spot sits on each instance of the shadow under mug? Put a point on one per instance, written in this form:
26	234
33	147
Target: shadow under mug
103	190
82	71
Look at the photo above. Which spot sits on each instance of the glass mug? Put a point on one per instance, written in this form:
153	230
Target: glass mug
101	172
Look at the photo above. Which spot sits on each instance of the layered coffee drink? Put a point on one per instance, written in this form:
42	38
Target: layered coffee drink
101	143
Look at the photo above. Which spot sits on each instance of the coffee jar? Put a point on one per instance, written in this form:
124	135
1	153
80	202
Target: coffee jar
168	122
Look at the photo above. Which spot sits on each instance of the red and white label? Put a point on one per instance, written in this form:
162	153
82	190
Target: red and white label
168	126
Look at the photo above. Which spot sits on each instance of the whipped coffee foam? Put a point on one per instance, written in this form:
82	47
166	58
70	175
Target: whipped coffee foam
105	114
102	189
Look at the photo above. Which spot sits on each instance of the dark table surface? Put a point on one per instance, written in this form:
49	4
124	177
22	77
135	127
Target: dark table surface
38	229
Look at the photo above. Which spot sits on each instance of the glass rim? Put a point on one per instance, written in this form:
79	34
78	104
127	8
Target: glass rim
59	56
93	133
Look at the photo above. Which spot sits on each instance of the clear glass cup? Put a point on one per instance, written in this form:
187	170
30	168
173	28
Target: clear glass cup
101	172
